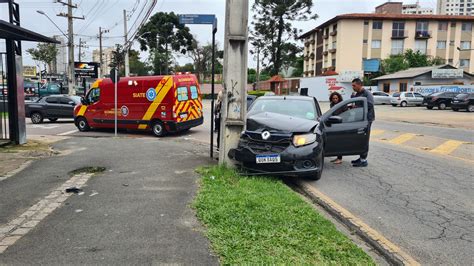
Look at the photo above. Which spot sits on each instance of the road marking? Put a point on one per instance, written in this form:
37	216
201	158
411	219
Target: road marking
376	132
20	226
68	132
44	126
397	254
447	147
402	138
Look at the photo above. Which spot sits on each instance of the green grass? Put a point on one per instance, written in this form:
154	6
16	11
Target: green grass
4	114
255	220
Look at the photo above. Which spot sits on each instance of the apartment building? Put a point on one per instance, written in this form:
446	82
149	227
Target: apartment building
456	7
416	9
107	54
60	64
350	42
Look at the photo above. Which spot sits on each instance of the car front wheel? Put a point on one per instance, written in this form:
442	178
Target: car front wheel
442	106
470	108
36	118
403	104
82	124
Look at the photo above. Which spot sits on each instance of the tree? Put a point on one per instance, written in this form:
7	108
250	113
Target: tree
299	67
272	27
189	67
407	60
45	52
202	58
118	59
163	34
136	66
394	63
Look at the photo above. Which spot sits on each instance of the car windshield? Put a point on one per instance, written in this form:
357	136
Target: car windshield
396	94
291	107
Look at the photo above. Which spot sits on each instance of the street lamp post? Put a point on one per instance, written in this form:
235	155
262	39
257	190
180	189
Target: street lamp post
46	15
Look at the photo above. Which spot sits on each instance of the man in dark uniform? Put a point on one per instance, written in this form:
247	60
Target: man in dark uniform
359	90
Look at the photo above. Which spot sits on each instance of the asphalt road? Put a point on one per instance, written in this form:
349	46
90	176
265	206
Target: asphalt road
419	199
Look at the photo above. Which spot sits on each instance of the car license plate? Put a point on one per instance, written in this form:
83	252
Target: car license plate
183	115
455	101
425	103
272	158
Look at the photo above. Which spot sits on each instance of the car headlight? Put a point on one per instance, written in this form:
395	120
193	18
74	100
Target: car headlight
301	140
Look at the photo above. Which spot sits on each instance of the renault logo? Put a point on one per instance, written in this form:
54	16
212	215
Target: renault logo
265	135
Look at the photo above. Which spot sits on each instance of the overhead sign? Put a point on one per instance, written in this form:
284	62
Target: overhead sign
349	76
447	73
86	70
29	71
198	19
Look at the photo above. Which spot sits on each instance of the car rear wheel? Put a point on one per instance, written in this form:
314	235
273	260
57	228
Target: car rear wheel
403	104
36	118
429	107
470	108
158	129
442	106
82	124
53	119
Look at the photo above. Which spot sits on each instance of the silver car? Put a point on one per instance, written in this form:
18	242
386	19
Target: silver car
381	97
404	99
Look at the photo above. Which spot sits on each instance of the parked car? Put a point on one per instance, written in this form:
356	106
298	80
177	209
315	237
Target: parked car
381	97
439	99
288	135
463	101
250	100
51	107
404	99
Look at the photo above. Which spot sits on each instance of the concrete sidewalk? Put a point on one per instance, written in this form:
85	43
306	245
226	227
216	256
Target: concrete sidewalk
136	212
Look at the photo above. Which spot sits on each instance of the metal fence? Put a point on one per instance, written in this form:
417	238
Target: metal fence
4	127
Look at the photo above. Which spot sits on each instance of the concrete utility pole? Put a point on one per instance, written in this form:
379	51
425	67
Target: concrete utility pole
235	77
125	46
70	18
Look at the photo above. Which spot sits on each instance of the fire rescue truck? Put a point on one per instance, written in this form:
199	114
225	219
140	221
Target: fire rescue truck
161	104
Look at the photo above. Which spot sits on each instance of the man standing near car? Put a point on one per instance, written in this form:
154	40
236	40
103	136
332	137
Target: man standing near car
359	91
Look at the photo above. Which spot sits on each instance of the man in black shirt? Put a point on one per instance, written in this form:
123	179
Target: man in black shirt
359	90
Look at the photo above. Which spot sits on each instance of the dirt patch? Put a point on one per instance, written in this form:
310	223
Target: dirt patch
87	170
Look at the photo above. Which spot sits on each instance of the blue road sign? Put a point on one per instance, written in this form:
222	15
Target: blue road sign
198	19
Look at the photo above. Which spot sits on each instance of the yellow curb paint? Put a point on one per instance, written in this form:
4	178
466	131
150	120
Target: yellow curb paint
447	147
372	233
376	132
402	138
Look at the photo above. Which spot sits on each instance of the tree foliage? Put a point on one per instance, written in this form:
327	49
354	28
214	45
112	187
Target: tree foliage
118	57
136	65
273	29
407	60
163	34
44	52
202	58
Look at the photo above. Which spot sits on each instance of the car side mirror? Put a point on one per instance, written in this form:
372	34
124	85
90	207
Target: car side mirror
334	120
84	101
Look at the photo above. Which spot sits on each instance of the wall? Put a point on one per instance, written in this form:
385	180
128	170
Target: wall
322	87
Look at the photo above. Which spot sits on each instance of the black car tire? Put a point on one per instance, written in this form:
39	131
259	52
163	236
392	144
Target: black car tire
455	109
53	119
318	175
82	125
36	118
158	129
403	104
442	106
429	107
470	108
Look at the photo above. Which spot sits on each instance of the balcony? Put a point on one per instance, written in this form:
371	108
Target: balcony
422	34
306	44
311	56
399	34
325	53
333	50
325	36
334	33
313	41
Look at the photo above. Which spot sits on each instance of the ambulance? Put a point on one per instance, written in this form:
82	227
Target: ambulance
160	104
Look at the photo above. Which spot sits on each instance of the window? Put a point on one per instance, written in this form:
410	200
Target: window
64	100
386	87
398	29
465	45
450	61
182	94
376	44
422	26
464	63
453	24
441	45
397	46
420	45
377	25
467	26
366	23
403	87
443	26
52	100
333	63
334	27
194	92
94	95
364	41
334	45
352	112
418	95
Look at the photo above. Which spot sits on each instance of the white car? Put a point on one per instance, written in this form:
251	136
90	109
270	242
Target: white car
404	99
381	97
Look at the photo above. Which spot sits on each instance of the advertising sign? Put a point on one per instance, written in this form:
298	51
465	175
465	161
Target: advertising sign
349	76
426	90
86	70
29	71
447	73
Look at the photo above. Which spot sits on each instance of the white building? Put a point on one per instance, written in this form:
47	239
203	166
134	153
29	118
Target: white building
456	7
416	9
60	64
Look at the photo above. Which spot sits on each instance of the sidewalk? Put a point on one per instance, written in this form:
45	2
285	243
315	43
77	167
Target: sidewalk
136	212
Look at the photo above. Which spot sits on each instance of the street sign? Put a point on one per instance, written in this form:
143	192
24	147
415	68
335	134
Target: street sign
86	70
198	19
29	71
447	73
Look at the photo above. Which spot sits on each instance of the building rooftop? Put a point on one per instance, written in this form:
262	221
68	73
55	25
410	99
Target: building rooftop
414	72
388	17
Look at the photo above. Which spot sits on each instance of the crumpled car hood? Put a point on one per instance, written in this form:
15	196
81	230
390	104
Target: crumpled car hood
278	122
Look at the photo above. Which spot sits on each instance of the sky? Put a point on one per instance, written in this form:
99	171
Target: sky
108	14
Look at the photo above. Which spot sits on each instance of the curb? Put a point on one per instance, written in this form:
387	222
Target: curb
392	253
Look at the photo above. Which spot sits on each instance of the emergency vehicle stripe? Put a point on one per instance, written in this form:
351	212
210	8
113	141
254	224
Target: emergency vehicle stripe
162	90
82	111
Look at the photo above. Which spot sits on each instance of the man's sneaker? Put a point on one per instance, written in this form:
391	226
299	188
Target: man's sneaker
361	164
355	161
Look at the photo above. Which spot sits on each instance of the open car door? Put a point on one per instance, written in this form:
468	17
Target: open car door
345	128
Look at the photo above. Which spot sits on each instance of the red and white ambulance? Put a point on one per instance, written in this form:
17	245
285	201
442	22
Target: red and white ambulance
158	103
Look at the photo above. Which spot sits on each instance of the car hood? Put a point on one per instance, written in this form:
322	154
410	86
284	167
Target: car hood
278	122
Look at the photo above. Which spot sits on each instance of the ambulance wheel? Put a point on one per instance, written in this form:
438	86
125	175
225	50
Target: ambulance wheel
82	124
158	129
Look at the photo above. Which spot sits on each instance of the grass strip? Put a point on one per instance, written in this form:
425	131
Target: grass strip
259	220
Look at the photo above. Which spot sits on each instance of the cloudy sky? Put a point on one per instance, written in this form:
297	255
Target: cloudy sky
109	14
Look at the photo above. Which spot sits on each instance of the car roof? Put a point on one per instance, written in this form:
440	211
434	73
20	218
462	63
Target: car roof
303	98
